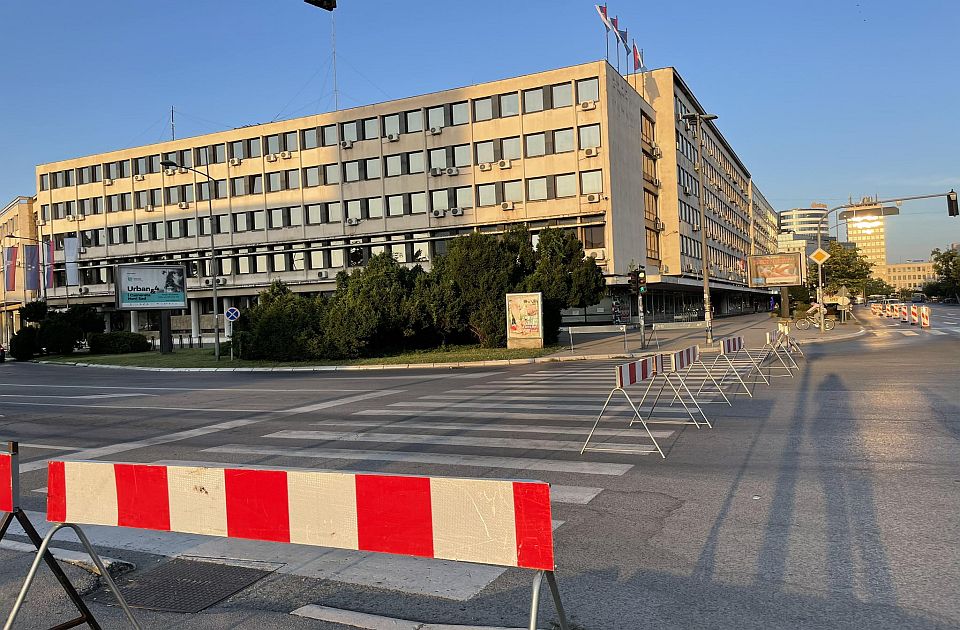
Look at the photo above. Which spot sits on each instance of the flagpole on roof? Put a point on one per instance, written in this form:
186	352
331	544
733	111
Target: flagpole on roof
607	31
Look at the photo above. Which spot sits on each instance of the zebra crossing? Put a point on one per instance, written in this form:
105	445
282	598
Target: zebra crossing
903	332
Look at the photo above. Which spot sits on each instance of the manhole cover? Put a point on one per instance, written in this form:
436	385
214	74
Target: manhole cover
184	586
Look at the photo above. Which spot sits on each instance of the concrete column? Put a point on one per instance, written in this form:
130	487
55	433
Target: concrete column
134	322
227	325
106	322
195	319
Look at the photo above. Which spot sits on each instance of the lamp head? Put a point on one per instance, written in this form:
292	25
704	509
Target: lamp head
169	164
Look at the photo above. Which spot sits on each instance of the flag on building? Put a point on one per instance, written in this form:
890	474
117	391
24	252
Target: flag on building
637	59
602	10
46	263
31	268
10	268
71	248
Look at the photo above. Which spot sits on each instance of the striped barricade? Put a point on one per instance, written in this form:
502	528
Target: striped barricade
676	366
924	317
693	359
643	370
774	350
904	314
10	510
875	309
914	314
486	521
730	349
787	341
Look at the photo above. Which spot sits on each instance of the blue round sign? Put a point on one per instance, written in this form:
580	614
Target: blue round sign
232	314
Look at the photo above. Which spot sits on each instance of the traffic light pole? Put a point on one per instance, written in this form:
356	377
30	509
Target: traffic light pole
643	328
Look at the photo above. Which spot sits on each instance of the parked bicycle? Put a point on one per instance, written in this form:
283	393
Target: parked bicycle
814	320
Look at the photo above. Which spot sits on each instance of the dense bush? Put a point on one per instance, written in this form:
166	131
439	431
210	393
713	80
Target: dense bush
117	343
58	335
387	307
24	344
35	311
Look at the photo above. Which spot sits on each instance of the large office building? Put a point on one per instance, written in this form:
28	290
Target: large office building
579	148
18	224
909	276
869	234
805	221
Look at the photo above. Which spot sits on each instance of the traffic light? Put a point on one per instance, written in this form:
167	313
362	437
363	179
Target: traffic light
326	5
952	209
641	281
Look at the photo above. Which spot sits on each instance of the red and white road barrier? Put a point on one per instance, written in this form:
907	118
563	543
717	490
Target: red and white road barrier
487	521
9	480
914	314
875	308
925	317
643	370
676	366
904	314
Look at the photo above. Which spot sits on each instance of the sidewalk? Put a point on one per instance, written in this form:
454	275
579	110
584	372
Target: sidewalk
752	328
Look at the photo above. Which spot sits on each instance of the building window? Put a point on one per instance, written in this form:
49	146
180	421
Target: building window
328	134
482	109
510	148
311	177
414	121
561	95
238	186
588	90
460	113
487	195
255	185
333	212
374	207
593	237
440	199
394	165
436	118
310	138
589	136
351	171
591	182
391	124
653	244
563	140
395	205
464	197
274	182
513	190
509	104
485	152
349	131
331	174
354	209
371	168
438	158
418	203
415	162
371	129
533	100
565	185
536	189
536	144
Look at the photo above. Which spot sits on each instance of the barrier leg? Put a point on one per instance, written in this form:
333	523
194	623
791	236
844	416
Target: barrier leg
756	366
5	523
719	389
737	374
685	373
693	419
647	391
42	550
535	600
555	592
636	414
85	615
684	386
712	366
612	392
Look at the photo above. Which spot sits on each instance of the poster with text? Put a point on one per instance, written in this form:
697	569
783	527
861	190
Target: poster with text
151	287
776	270
524	320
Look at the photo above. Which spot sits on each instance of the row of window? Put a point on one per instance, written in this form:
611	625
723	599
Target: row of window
450	114
537	189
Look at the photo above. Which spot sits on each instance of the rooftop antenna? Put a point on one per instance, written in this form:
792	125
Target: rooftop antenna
173	125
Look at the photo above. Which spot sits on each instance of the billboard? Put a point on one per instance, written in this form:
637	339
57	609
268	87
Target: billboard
775	270
524	320
151	287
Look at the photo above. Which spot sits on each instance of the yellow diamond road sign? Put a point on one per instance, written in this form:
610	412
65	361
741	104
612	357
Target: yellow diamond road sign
819	256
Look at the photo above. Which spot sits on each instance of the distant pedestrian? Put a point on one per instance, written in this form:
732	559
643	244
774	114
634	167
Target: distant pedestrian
773	303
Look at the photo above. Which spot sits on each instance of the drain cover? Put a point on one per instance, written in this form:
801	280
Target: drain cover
184	586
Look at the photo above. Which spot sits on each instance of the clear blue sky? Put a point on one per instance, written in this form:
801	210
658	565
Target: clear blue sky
823	99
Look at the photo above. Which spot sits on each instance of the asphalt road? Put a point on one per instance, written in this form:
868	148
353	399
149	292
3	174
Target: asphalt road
829	500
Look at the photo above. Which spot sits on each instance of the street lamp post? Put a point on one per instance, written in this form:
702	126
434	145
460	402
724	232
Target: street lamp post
698	119
211	187
853	205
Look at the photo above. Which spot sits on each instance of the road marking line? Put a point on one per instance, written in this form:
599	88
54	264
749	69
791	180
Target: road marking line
368	621
440	440
178	436
496	427
453	459
505	415
908	333
184	389
456	406
336	402
82	397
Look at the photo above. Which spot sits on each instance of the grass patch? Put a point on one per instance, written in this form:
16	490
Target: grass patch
195	358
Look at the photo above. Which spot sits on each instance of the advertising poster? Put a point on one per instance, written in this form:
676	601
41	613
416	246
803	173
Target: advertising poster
776	270
146	287
524	320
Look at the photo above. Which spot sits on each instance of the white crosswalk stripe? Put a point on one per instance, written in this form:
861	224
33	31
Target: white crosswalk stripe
498	427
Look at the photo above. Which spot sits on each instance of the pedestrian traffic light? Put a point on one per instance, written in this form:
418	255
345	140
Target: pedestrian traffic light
952	208
634	282
641	281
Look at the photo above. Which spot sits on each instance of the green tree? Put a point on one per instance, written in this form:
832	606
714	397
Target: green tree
35	311
934	288
845	267
876	286
282	326
564	276
947	266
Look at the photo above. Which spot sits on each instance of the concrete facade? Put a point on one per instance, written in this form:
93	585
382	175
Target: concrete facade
300	200
17	227
909	275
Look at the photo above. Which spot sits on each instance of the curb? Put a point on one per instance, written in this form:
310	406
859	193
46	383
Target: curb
361	368
843	337
76	558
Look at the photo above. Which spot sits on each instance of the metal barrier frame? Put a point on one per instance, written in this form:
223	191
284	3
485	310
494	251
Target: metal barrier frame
708	377
86	617
666	374
637	417
732	368
772	347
